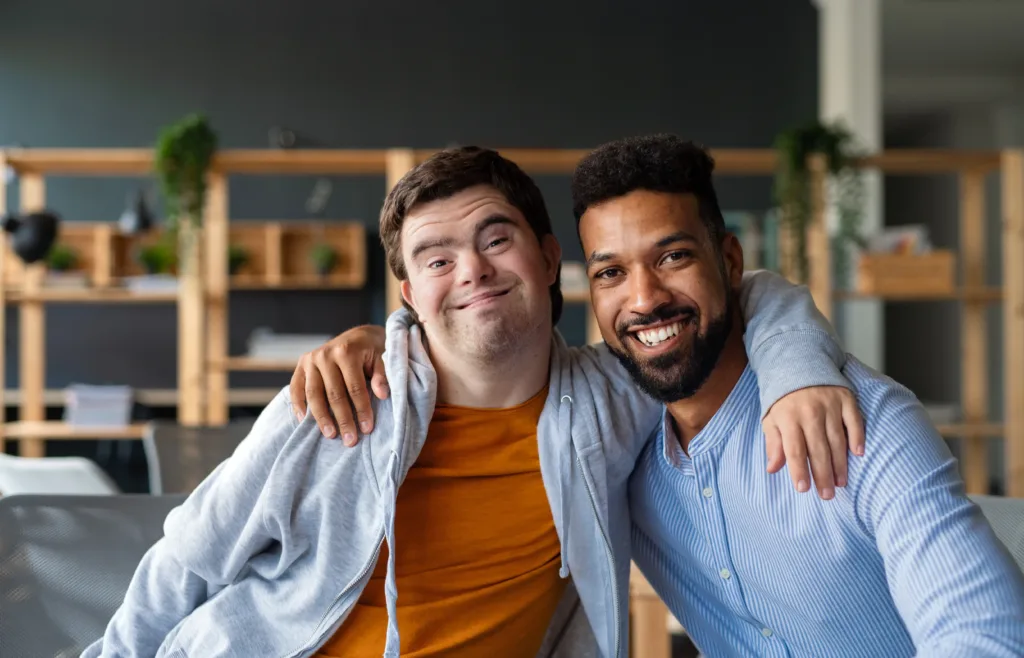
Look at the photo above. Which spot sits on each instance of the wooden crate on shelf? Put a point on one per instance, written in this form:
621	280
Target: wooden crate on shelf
279	253
932	273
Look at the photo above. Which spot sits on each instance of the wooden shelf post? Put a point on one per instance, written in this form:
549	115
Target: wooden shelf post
1013	317
191	380
215	232
973	340
32	328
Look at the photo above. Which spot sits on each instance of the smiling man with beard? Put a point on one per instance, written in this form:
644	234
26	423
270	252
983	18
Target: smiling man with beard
901	563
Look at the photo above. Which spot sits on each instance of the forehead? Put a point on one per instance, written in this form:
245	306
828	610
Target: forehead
463	209
638	219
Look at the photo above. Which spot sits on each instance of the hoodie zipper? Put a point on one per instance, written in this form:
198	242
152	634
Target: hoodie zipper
608	551
362	574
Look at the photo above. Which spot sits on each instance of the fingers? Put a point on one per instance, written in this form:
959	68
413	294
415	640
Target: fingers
821	458
854	423
837	446
379	380
334	400
297	390
358	395
316	398
796	457
773	446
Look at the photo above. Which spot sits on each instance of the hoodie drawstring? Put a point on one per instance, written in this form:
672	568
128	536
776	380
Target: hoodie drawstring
566	481
392	644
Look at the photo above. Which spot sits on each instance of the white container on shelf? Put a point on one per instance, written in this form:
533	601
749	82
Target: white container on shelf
91	405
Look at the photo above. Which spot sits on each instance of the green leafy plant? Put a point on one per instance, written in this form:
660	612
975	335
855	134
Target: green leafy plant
61	258
158	258
238	256
793	187
324	258
184	151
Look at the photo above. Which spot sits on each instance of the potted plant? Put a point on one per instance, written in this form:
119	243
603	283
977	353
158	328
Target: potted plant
61	261
792	188
238	256
324	258
158	258
184	151
61	258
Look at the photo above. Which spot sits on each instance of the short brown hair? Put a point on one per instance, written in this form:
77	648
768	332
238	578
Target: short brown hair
449	172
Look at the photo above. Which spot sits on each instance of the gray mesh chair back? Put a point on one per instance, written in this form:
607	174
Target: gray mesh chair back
179	458
1006	516
65	564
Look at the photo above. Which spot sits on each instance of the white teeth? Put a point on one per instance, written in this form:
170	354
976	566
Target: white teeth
654	336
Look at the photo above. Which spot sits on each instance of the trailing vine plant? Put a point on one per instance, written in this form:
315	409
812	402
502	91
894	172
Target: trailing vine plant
184	151
845	190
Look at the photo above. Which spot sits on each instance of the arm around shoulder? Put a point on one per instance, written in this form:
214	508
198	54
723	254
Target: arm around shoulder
207	541
956	586
789	343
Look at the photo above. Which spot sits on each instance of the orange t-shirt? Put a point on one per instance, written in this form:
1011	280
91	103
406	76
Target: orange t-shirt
477	553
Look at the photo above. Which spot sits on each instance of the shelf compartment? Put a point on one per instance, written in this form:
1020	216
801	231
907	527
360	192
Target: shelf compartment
278	254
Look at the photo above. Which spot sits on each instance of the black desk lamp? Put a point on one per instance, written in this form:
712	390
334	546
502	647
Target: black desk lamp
32	235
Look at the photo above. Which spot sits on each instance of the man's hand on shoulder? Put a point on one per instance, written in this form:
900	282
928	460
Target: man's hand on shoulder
817	424
332	381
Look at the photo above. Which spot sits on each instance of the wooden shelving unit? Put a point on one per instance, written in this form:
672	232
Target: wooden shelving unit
279	253
972	292
105	260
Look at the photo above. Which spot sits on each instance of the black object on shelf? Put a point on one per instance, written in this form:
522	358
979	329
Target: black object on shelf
137	217
32	235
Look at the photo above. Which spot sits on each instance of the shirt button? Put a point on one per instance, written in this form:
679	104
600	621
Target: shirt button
724	573
767	632
708	492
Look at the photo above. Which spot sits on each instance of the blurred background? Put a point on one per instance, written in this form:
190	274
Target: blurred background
941	81
552	75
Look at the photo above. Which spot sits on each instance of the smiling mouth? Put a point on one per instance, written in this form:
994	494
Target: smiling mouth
485	298
656	336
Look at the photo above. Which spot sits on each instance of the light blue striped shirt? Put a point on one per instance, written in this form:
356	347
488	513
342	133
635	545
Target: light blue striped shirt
899	563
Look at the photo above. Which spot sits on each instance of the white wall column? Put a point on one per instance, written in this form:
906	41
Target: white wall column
850	79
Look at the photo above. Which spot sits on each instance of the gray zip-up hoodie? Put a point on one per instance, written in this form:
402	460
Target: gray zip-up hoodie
269	554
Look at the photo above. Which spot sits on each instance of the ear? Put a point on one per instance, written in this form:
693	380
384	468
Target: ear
407	295
732	258
552	256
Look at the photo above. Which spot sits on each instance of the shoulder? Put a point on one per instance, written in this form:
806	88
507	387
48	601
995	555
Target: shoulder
904	453
889	408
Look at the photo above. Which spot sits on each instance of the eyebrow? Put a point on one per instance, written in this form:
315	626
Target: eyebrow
678	236
444	243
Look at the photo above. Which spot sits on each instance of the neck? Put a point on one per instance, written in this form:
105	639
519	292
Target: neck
494	383
691	414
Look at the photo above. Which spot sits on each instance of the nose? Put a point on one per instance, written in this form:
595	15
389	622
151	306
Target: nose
474	267
647	293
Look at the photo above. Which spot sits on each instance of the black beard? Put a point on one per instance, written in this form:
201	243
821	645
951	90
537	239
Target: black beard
681	373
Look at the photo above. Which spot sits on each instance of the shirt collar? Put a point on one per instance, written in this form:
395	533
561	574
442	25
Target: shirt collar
741	401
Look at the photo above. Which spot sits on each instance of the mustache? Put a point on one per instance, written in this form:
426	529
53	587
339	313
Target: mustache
687	313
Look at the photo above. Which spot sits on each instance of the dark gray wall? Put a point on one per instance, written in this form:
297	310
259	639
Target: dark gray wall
535	73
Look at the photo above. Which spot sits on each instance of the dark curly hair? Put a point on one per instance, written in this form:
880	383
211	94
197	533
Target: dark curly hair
659	163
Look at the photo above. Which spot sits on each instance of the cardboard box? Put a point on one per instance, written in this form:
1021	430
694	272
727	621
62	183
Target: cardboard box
931	273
